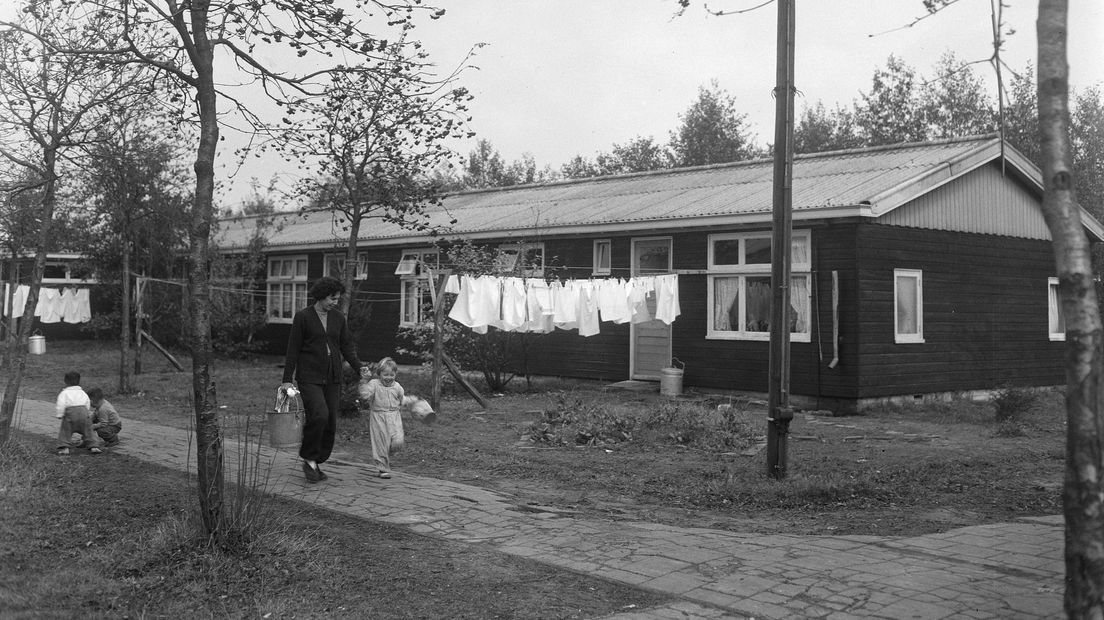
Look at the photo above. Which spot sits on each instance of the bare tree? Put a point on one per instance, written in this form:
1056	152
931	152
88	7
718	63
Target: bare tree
49	102
376	137
138	206
189	43
18	228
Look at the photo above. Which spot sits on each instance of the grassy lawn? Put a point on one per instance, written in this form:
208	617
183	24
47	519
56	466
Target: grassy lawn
124	533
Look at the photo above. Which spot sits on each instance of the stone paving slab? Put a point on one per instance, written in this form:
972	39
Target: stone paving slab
996	571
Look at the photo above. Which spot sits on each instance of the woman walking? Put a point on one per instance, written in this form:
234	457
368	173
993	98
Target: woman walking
319	339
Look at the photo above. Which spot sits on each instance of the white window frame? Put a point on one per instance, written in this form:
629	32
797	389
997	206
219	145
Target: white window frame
414	261
415	268
900	337
1056	321
742	271
598	268
68	278
361	266
281	286
508	256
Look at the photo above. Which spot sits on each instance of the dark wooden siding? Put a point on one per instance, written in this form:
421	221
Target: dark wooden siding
985	312
985	316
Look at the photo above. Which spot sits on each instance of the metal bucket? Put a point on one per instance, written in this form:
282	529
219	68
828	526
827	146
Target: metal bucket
284	422
670	381
36	345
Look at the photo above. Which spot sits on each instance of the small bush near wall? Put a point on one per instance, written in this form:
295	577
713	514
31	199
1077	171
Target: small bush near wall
1011	403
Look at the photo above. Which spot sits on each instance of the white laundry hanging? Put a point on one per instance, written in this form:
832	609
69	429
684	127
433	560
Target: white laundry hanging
19	300
588	309
48	309
534	305
667	298
638	299
68	305
84	306
513	305
538	305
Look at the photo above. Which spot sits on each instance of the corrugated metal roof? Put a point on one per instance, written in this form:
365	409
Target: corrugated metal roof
857	182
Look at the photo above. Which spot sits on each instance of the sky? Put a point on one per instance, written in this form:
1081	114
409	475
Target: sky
559	78
566	77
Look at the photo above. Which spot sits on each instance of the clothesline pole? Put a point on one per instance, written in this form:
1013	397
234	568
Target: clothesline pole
139	287
438	290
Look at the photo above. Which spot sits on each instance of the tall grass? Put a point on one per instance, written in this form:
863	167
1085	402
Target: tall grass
18	471
245	519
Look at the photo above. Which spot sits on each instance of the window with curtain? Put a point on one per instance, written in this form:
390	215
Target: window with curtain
739	284
602	257
415	267
286	287
1055	319
908	310
416	302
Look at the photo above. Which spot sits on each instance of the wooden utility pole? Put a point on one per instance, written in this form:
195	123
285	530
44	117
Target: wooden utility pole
779	412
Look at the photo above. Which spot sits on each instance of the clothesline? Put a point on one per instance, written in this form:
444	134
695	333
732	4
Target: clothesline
536	305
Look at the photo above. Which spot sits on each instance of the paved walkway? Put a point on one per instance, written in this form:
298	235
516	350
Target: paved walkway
1000	571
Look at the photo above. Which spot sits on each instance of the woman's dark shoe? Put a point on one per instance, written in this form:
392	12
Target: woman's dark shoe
311	473
321	474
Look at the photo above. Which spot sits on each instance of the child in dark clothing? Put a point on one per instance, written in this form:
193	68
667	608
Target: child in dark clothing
73	409
105	419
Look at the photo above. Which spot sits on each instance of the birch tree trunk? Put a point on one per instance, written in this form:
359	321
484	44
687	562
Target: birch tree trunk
209	447
1083	492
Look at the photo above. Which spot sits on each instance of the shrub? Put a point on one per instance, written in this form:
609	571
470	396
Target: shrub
705	426
574	422
347	406
1011	403
1010	428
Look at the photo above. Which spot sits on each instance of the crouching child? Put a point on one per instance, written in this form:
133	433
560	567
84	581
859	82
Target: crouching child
72	408
105	419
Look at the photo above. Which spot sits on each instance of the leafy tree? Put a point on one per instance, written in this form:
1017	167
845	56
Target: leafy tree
579	168
1021	114
892	111
49	102
484	167
181	42
498	355
821	130
1087	142
954	102
132	183
712	131
377	137
1021	129
640	154
237	309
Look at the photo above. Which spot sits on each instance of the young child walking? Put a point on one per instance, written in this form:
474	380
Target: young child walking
73	409
105	419
382	397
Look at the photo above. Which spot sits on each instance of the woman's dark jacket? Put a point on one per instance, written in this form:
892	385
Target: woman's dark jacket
307	359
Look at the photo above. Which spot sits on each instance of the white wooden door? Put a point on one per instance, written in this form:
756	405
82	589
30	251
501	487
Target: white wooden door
650	342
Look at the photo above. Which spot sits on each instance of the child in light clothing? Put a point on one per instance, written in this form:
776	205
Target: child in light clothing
382	396
105	419
72	408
